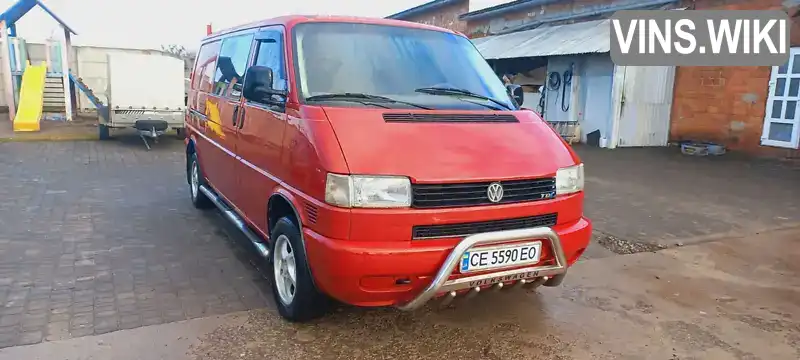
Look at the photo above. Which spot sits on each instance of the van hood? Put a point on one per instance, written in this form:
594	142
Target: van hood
448	152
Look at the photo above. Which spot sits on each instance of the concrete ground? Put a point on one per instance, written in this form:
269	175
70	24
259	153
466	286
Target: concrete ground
718	300
103	257
659	197
83	127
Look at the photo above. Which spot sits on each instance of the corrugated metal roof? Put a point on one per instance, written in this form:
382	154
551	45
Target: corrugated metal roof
580	38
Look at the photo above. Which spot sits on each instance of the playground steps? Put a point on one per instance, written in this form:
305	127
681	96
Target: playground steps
54	94
102	109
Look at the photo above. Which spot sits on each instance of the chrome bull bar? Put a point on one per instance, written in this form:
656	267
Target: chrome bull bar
550	275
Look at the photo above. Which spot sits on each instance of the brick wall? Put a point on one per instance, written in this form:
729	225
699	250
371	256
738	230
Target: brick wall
488	26
446	17
726	104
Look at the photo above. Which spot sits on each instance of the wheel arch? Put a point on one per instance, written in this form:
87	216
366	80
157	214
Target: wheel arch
281	203
191	148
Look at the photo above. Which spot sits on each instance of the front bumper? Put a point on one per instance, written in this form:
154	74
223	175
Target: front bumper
442	282
409	274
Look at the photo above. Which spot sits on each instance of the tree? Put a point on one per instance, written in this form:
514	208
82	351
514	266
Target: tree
180	52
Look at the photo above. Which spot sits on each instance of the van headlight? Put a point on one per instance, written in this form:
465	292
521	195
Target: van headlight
361	191
569	180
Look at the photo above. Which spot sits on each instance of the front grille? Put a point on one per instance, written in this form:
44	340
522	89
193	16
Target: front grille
466	229
450	118
473	194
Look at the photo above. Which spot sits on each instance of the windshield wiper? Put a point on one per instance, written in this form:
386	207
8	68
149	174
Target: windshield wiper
360	101
359	97
457	91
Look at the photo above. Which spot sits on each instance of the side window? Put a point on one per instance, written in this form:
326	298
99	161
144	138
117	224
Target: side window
205	67
270	54
231	64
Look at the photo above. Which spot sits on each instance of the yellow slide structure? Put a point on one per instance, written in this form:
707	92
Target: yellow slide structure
31	96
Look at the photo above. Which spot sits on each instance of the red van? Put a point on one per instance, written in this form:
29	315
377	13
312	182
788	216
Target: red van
378	163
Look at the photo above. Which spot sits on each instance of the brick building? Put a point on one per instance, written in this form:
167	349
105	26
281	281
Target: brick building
442	13
735	106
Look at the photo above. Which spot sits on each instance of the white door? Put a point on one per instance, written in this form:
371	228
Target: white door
597	79
782	118
645	105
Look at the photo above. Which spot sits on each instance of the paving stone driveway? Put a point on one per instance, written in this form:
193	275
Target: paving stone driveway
100	236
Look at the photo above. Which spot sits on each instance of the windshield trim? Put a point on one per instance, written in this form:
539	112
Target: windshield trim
298	78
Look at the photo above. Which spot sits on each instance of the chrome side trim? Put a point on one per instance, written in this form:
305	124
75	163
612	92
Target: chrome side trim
259	170
212	142
236	220
224	149
442	284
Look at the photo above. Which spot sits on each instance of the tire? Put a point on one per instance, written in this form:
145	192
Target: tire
196	179
306	302
103	132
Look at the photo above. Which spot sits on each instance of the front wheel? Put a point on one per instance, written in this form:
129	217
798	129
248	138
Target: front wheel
293	288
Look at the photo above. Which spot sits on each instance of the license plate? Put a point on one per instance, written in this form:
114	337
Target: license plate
478	259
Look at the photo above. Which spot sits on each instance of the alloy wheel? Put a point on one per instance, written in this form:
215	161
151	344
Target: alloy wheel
285	269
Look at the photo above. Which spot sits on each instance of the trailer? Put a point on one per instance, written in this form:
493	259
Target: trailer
145	92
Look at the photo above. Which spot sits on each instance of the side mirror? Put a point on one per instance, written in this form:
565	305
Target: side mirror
258	84
516	93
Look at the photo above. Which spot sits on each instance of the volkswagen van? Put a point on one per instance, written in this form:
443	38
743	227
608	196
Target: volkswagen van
378	163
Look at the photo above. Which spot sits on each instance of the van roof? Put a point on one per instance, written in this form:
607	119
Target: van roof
292	20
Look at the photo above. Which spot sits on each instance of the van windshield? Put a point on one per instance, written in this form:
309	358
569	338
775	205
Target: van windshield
399	63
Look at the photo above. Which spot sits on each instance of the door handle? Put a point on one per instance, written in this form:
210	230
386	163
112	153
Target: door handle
235	114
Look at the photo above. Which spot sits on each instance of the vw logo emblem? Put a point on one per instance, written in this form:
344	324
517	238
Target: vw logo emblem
495	192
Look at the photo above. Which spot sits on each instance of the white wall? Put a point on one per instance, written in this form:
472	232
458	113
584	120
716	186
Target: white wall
597	72
589	100
553	107
37	53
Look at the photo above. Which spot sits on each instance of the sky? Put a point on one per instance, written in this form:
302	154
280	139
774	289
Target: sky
152	23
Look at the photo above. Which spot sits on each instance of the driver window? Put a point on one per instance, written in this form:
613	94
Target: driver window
269	53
